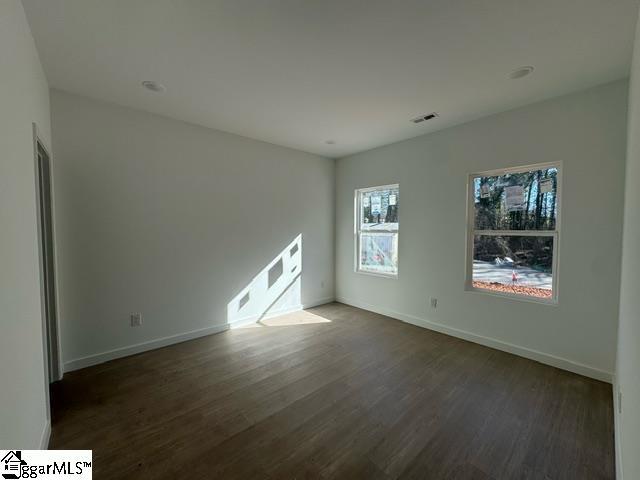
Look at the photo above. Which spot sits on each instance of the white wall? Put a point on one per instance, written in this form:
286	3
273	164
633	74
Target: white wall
24	98
586	131
173	220
628	364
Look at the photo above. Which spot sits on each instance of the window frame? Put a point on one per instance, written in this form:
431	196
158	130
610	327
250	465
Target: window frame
357	231
471	232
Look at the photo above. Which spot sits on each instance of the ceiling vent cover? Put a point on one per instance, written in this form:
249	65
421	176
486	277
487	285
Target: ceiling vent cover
422	118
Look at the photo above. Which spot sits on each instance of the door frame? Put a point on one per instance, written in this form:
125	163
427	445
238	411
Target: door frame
53	369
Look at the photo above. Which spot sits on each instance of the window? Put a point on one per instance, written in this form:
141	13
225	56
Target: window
513	230
377	230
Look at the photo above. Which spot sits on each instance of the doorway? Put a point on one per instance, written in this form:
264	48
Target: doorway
47	260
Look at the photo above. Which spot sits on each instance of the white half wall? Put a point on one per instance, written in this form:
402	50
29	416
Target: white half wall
627	388
173	221
24	99
586	132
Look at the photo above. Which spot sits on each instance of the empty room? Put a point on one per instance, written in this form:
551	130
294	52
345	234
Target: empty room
304	239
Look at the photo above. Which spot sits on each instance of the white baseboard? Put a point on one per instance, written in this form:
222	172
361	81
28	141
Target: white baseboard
317	303
97	358
46	434
617	429
242	322
541	357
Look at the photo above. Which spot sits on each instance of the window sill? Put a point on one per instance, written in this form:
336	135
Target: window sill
553	302
392	276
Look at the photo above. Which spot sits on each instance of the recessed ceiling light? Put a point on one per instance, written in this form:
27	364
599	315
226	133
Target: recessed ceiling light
153	86
330	142
521	72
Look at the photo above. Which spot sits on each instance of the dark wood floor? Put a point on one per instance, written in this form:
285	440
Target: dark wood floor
357	396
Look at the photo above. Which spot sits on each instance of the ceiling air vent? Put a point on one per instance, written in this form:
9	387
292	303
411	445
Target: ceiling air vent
422	118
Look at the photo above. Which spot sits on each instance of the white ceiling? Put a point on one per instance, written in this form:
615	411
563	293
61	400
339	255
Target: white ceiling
301	72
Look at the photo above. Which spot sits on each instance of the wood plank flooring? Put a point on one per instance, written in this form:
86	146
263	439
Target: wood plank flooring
335	392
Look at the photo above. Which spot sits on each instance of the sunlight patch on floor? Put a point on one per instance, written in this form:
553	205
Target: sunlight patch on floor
289	319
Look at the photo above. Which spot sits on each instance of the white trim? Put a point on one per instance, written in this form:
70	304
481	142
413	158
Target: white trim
46	435
471	231
242	322
357	231
248	320
546	358
617	428
390	276
389	186
97	358
519	169
47	361
38	141
317	303
52	186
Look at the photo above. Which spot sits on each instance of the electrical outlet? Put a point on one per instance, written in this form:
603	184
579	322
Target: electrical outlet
136	319
434	302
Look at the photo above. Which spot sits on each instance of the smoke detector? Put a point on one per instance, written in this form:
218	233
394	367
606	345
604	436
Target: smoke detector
153	86
422	118
521	72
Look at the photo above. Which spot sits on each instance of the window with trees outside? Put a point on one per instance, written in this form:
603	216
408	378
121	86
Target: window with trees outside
377	230
513	232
